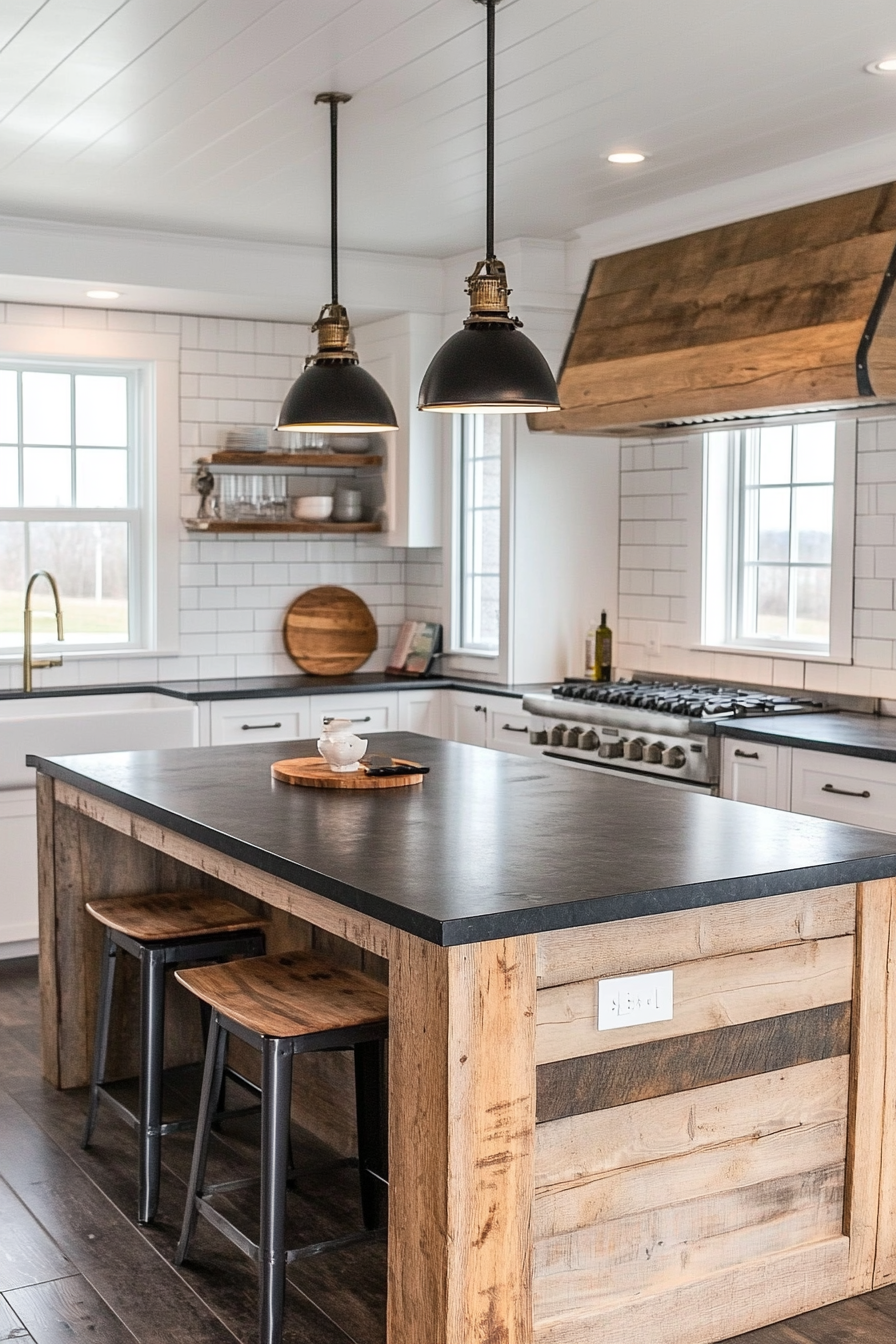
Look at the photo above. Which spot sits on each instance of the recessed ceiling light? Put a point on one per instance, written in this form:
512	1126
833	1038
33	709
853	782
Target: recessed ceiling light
885	67
103	294
626	156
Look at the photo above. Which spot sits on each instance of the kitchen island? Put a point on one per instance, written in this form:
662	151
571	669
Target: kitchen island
678	1181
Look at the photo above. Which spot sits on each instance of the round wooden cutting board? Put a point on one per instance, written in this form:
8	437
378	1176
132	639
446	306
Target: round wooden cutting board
314	773
329	631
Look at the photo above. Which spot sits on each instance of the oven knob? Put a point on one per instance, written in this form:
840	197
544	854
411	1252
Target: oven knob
588	740
610	749
653	753
674	758
634	750
571	736
556	735
538	737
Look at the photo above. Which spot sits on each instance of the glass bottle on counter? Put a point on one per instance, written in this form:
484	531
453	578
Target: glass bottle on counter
603	651
591	652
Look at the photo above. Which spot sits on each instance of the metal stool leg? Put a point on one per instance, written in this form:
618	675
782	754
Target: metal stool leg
215	1057
152	1061
276	1084
101	1037
369	1057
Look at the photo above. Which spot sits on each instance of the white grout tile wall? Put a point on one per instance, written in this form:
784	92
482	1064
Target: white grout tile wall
234	590
657	501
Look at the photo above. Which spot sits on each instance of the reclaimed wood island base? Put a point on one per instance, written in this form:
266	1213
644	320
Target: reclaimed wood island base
679	1182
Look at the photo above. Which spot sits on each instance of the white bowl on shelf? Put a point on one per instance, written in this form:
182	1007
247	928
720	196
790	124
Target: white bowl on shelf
312	508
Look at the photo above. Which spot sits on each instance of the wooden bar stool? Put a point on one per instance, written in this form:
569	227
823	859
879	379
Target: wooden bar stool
160	931
285	1005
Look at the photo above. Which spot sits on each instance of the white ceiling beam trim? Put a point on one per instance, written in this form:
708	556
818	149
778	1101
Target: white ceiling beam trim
264	279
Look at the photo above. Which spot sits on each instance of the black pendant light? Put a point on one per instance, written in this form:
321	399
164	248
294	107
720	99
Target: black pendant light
490	365
334	395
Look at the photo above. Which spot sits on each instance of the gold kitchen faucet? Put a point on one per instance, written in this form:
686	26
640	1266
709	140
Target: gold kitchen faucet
28	663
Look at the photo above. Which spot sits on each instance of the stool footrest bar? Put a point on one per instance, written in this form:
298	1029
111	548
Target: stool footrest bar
250	1248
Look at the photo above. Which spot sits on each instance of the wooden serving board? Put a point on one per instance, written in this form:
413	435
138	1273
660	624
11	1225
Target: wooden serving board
314	773
329	631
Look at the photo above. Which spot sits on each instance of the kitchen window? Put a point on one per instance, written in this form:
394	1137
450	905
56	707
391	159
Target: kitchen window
778	531
78	496
477	548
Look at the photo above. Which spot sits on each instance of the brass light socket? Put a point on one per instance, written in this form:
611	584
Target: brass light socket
333	337
489	294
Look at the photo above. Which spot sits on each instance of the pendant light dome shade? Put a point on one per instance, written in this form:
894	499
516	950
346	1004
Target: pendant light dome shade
490	366
333	394
336	399
489	369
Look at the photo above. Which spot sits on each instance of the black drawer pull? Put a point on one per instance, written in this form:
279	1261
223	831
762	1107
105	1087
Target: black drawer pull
747	755
509	728
847	793
365	719
256	727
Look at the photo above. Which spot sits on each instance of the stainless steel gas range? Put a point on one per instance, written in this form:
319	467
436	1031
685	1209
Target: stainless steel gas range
664	731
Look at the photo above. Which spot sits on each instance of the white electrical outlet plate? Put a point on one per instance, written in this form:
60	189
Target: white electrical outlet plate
631	999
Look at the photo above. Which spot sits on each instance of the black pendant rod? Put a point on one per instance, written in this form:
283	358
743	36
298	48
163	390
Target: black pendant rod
334	147
490	132
334	99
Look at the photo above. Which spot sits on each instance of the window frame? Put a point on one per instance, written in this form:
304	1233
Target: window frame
720	580
461	569
154	359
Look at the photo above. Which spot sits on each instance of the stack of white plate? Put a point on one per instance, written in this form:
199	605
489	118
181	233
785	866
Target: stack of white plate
247	439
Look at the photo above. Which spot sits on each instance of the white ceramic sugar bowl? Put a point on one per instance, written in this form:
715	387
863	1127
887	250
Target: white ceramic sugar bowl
340	747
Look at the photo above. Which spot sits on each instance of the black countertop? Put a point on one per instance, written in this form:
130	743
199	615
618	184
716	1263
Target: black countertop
490	845
870	735
258	688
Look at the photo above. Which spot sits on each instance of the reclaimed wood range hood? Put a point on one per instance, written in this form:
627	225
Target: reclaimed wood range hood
791	312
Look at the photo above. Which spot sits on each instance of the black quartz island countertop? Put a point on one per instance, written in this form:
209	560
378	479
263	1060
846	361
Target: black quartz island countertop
490	845
870	735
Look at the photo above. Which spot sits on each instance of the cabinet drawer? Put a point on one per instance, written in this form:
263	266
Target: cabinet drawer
756	772
509	728
845	788
368	713
258	720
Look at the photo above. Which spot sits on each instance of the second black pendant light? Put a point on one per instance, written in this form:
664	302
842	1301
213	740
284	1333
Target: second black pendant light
334	395
490	366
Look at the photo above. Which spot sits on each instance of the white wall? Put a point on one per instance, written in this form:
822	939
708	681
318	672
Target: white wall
659	518
234	589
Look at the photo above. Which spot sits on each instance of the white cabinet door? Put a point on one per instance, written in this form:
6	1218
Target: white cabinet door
845	788
276	720
465	717
369	712
420	711
509	726
756	772
18	845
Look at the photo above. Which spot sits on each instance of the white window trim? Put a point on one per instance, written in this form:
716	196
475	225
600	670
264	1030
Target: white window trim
487	666
842	559
160	488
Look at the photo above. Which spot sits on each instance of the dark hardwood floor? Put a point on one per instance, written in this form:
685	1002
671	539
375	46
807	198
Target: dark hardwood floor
75	1267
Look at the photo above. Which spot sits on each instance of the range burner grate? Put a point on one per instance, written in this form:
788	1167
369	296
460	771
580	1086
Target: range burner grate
693	700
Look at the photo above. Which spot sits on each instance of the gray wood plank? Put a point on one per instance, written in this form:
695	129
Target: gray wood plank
66	1309
27	1254
10	1325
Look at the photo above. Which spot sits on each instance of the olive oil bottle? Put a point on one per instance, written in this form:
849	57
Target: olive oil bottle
603	651
591	672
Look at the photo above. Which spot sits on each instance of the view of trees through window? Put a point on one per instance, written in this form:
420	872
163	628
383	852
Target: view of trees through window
65	496
787	524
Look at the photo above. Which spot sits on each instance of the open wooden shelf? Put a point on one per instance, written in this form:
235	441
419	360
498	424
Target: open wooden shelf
271	459
278	525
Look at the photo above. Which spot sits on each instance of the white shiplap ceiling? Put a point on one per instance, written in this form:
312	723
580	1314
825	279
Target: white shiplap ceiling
198	115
